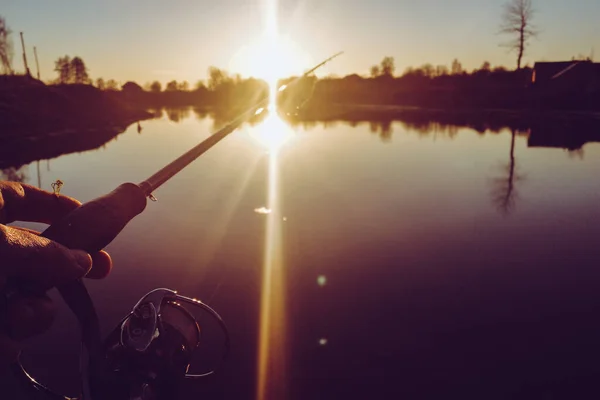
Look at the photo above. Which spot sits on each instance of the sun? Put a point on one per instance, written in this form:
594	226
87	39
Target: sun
272	57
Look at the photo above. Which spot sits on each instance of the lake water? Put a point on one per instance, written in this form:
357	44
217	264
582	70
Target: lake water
351	263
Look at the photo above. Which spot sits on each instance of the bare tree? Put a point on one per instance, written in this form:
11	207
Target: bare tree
6	47
516	22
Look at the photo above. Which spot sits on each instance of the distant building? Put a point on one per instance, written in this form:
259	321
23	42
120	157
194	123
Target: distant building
572	76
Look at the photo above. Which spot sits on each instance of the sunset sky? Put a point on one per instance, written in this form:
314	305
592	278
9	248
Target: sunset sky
179	39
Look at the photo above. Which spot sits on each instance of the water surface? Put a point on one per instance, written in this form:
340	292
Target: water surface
440	263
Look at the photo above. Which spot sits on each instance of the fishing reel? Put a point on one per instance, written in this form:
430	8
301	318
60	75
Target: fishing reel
146	357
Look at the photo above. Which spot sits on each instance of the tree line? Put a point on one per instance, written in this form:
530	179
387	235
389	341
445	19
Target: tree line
386	69
516	23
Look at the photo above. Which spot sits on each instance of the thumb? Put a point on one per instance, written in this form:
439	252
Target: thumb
41	260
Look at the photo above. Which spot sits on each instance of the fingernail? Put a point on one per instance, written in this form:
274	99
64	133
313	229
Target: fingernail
84	260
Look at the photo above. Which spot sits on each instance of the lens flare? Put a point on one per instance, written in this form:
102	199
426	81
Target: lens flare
272	133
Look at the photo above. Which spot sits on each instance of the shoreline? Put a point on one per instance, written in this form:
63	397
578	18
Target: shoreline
43	122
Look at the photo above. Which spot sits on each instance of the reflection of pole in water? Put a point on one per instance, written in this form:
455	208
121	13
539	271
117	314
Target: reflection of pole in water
39	175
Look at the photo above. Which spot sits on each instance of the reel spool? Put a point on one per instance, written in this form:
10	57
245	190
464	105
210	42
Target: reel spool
147	356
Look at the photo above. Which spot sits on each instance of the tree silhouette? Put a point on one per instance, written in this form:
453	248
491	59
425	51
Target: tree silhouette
217	77
71	70
441	70
183	86
375	72
131	88
155	87
200	85
388	66
457	67
63	67
171	86
79	72
100	84
516	22
428	70
6	47
111	84
504	192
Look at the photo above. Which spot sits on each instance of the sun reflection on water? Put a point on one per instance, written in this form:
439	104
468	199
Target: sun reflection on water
272	133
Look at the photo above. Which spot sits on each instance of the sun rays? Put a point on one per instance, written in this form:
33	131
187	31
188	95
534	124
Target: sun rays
273	133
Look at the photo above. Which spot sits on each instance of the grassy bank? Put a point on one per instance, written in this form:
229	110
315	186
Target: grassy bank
28	107
39	121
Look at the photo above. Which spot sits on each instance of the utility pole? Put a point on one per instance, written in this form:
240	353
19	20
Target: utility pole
37	64
25	56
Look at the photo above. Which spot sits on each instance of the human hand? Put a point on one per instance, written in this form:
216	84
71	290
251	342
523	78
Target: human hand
26	255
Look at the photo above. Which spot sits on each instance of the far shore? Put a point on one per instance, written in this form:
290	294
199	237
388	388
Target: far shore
40	121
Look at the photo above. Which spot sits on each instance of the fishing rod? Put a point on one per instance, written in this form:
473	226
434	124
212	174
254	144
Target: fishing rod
91	227
156	180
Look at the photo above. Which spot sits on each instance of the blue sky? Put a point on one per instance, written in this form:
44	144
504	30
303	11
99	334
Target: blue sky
179	39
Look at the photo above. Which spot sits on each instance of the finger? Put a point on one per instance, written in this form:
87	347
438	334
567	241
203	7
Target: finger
22	202
101	261
39	259
32	231
29	316
101	265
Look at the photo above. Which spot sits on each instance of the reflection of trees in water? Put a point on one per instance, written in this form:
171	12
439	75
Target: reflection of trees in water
330	124
438	124
577	153
433	128
200	113
178	114
157	113
383	128
504	193
309	125
13	174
